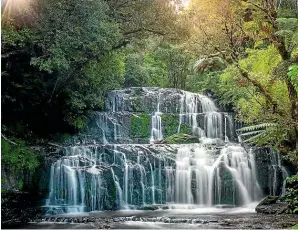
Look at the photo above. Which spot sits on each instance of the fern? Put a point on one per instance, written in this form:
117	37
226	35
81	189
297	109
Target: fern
256	127
287	23
252	139
258	133
252	133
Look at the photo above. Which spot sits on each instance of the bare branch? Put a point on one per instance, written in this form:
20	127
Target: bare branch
5	138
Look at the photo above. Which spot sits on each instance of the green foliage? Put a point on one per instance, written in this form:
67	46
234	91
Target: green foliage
18	156
170	123
17	39
291	195
288	31
290	24
184	128
104	75
136	74
73	32
273	134
181	138
178	65
162	65
140	125
60	67
261	61
293	74
18	159
287	9
201	82
210	64
259	133
292	181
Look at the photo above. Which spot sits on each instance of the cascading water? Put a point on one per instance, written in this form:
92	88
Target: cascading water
278	174
113	169
156	127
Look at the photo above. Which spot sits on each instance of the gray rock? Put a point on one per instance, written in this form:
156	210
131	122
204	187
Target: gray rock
271	205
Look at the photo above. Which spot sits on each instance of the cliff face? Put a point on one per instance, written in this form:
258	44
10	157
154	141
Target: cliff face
134	154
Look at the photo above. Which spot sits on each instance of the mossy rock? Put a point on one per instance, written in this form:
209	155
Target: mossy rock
272	205
269	200
181	138
170	123
140	125
136	103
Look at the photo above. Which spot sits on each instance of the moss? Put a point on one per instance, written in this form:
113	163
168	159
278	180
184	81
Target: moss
288	225
19	156
80	123
170	123
269	200
181	138
136	103
18	159
140	125
184	128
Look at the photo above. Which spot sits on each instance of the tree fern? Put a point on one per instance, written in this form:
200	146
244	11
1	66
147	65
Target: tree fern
252	133
254	138
259	133
256	127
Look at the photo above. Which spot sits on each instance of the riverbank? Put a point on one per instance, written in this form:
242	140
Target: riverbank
231	218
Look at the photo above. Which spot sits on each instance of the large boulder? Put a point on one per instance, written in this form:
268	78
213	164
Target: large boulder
271	205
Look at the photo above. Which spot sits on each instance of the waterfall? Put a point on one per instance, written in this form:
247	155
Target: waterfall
119	165
196	182
278	176
156	130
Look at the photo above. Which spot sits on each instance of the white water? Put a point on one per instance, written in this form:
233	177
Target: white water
279	175
156	125
196	107
198	175
206	174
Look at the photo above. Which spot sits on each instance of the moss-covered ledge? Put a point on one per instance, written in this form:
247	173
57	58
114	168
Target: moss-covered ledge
181	138
140	126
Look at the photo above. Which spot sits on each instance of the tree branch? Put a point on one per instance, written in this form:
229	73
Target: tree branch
5	138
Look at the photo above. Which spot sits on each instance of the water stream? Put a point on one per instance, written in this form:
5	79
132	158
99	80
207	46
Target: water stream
113	169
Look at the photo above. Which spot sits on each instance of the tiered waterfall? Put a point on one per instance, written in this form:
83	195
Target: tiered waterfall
122	160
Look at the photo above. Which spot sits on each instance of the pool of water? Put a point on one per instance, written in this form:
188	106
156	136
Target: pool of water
176	217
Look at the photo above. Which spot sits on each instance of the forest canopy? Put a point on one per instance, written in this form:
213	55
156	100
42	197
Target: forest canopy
60	57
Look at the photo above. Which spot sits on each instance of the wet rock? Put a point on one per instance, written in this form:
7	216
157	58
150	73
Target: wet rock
149	207
18	208
271	205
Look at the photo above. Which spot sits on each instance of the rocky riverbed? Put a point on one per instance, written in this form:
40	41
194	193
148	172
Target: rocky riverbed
203	218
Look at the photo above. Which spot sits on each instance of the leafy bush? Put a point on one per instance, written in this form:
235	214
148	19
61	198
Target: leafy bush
292	193
18	158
